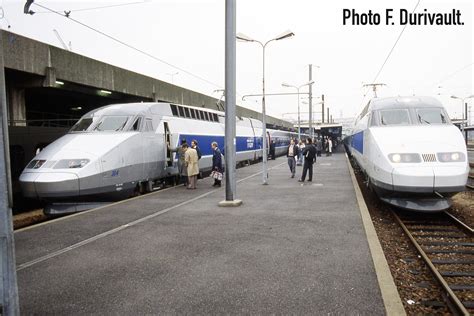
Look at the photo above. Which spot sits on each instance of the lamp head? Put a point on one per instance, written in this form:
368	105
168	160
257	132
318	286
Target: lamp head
284	35
244	38
284	84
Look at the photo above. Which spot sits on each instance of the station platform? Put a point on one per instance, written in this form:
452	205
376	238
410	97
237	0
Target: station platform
291	248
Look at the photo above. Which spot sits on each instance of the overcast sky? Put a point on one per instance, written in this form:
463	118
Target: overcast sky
428	60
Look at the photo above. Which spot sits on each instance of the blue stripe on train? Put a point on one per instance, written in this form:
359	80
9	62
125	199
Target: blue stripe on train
358	142
242	143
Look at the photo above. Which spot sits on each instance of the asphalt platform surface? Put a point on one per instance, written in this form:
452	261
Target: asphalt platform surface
291	248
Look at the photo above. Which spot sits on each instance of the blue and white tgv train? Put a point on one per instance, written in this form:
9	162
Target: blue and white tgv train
413	156
116	149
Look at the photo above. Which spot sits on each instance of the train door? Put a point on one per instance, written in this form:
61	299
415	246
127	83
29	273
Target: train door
167	142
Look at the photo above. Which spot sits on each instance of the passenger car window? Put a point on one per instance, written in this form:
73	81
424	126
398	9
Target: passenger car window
394	117
174	109
181	111
431	116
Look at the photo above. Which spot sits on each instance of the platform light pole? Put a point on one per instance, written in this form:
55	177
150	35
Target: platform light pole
309	83
463	111
230	91
310	100
8	284
244	38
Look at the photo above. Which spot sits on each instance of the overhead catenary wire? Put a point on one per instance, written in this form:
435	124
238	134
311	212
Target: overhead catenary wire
453	73
129	45
99	8
389	54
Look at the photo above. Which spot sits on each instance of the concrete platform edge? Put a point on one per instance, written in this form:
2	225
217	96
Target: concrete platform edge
390	296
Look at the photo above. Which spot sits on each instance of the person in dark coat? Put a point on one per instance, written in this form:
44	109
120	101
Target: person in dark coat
182	170
216	165
292	153
309	154
194	144
272	149
319	147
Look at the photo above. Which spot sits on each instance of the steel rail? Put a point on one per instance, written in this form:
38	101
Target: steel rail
453	299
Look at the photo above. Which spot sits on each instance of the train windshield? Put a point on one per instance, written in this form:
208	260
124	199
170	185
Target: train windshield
111	123
395	117
431	116
83	125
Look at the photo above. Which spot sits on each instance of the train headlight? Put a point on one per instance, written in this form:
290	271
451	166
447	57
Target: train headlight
404	158
35	164
71	163
451	157
396	158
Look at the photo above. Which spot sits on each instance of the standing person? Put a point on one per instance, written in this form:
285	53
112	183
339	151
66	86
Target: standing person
329	146
272	149
319	147
194	145
309	154
191	159
292	153
216	165
182	170
301	147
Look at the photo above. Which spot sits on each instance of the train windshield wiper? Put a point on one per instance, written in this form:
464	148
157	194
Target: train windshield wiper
423	120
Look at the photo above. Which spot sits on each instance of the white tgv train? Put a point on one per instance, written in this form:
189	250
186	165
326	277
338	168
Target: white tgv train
114	150
413	156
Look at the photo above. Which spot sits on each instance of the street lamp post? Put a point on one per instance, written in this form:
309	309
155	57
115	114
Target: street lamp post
309	83
463	112
245	38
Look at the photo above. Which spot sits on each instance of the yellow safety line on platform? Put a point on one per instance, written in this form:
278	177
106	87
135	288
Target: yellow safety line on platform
122	227
388	289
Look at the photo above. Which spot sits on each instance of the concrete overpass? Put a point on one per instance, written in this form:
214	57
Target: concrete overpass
45	82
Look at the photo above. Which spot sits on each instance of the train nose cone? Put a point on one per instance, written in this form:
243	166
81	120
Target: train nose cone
50	185
413	179
27	182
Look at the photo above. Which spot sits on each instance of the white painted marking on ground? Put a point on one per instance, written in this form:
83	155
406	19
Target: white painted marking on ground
124	226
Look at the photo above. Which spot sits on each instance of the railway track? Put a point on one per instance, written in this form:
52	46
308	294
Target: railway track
470	180
446	245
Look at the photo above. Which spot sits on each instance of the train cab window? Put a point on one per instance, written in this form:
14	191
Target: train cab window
111	123
149	125
82	125
193	113
137	124
181	111
394	117
215	118
187	114
431	116
174	109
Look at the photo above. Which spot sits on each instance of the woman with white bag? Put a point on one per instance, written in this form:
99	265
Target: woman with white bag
216	165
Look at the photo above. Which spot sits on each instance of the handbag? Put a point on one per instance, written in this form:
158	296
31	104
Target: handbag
216	175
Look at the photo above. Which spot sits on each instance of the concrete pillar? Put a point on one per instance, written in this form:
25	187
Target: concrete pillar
16	106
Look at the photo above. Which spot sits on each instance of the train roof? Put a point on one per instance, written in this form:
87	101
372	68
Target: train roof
404	102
